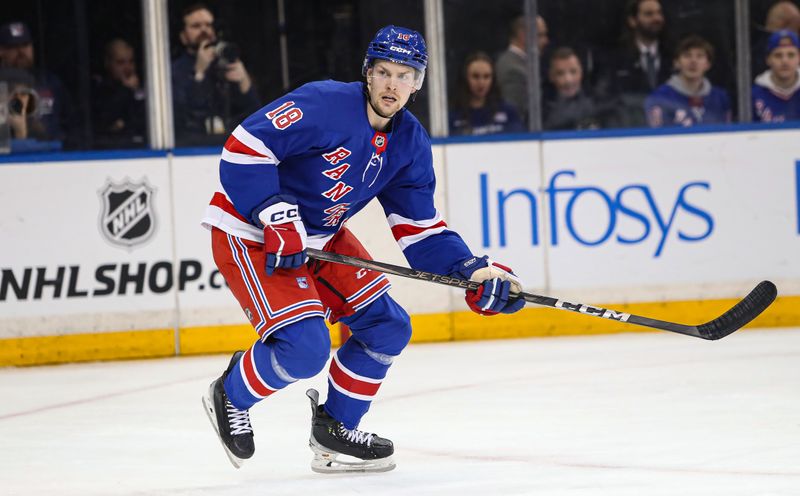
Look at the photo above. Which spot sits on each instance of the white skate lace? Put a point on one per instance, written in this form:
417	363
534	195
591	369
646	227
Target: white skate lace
356	436
239	420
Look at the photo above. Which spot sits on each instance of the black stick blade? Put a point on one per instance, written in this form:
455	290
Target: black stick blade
742	313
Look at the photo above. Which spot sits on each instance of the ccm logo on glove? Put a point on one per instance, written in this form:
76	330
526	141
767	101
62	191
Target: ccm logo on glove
286	214
284	233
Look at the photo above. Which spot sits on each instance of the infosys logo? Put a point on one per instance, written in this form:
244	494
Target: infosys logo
628	215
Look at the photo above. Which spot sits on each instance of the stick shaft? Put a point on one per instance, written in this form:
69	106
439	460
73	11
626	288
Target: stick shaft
742	313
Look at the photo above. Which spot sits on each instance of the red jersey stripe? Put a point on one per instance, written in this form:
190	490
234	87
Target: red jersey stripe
219	200
233	145
403	230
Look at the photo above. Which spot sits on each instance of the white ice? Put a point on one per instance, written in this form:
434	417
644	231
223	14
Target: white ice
628	414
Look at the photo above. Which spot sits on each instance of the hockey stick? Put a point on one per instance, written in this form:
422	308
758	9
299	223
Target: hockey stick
735	318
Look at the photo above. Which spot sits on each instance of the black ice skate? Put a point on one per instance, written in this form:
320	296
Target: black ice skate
337	449
232	425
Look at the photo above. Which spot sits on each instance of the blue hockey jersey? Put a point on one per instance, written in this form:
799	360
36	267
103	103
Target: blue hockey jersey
774	104
673	104
317	145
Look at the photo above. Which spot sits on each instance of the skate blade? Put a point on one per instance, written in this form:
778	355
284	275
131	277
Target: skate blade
328	462
208	406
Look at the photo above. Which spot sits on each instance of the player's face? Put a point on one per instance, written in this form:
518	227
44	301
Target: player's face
566	75
390	86
693	63
197	28
784	61
479	78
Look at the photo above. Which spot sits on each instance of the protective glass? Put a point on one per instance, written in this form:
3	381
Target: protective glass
411	79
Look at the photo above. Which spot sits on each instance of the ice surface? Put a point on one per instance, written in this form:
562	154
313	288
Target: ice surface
629	414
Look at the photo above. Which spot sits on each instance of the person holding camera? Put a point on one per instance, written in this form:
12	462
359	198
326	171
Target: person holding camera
211	88
39	110
24	107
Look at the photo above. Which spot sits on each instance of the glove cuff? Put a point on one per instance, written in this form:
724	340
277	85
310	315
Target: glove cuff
277	209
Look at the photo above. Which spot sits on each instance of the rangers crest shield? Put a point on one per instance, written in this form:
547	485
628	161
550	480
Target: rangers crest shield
127	217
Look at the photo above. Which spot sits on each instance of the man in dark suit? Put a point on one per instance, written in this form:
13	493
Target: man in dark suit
511	66
642	62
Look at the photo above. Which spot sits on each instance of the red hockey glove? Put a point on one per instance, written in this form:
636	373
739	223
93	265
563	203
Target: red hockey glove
284	233
496	294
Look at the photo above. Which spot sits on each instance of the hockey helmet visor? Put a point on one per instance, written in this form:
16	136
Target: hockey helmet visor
401	46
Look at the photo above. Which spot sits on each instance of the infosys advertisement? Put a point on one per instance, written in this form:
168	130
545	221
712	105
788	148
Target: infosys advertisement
675	215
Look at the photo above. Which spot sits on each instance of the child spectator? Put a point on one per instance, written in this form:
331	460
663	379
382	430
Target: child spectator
688	98
776	92
479	109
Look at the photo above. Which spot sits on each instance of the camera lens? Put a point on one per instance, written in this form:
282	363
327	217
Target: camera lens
15	106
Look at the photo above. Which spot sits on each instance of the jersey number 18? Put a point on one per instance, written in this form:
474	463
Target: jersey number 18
285	115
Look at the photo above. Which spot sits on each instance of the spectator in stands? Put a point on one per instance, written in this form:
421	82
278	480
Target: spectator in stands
642	62
118	111
23	106
688	98
212	90
512	69
52	109
776	92
479	109
570	107
784	14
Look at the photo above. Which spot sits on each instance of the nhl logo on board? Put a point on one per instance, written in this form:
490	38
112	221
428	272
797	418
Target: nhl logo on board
302	282
127	217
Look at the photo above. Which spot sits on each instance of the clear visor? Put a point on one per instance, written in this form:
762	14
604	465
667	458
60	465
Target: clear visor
407	76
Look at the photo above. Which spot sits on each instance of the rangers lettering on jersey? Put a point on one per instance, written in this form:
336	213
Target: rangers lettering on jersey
337	155
335	214
337	172
337	192
310	155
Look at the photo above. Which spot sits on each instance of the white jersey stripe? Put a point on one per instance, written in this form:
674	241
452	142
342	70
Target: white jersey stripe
254	143
245	159
407	241
395	219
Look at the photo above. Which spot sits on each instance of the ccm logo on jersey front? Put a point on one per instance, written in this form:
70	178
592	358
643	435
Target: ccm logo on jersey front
592	215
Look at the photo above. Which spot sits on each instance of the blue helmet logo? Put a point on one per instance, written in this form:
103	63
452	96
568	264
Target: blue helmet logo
400	45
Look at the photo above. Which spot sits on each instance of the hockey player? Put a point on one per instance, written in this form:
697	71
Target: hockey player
776	92
688	98
291	175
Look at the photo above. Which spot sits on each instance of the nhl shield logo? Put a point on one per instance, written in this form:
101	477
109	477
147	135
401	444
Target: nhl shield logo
127	217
